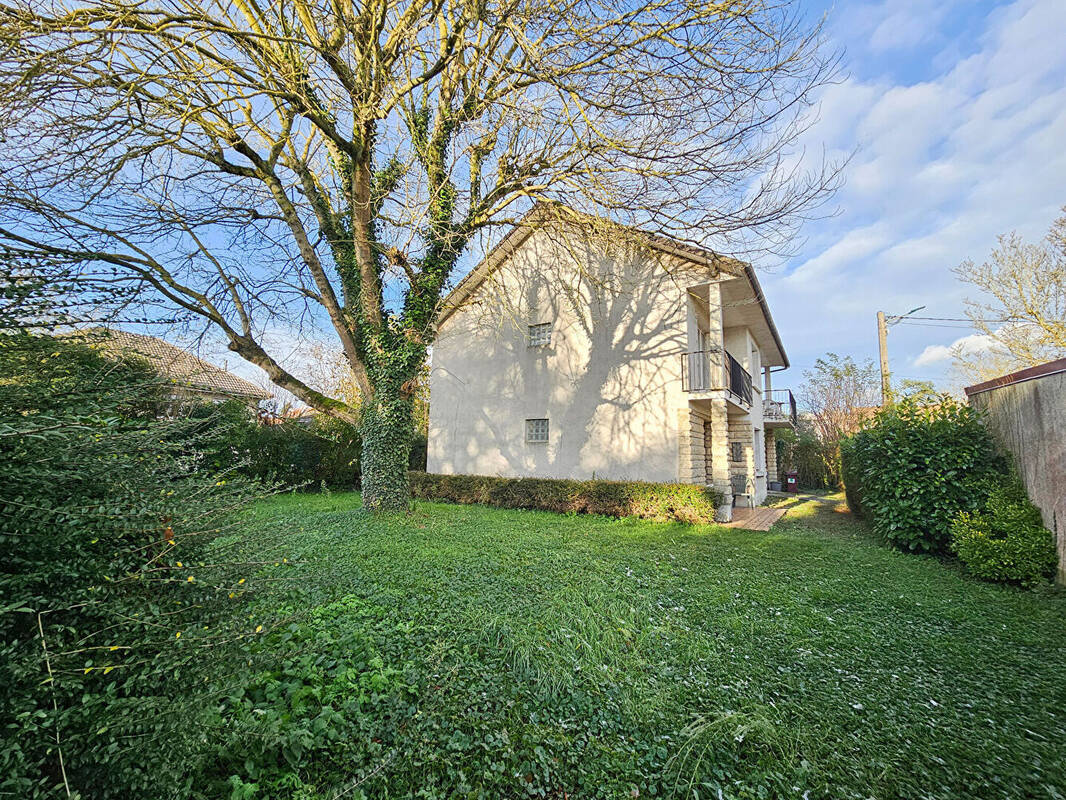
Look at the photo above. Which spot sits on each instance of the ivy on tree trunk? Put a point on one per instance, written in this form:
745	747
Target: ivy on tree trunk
387	427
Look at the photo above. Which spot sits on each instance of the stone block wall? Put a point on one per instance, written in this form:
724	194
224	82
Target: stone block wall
740	431
692	459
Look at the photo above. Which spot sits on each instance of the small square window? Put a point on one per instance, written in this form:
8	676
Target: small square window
536	430
540	334
736	451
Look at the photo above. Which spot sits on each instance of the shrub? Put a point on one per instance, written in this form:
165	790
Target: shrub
110	559
321	452
680	502
916	466
1006	540
801	450
297	453
851	475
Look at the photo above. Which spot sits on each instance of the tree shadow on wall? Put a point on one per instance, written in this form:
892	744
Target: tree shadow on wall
619	327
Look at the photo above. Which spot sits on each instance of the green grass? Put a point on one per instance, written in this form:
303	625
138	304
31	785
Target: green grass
462	651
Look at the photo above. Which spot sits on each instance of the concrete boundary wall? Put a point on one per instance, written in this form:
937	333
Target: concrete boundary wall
1026	413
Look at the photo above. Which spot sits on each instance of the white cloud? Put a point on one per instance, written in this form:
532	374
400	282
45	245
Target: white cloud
945	164
967	345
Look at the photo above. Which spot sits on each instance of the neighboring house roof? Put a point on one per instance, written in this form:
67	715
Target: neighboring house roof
301	415
1022	375
541	212
179	366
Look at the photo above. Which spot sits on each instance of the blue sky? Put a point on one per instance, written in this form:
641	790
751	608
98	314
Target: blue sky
956	114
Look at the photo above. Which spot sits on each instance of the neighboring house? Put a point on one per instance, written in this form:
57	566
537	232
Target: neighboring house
646	359
299	415
192	377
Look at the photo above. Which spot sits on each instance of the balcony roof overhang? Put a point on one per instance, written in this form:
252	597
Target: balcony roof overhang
744	305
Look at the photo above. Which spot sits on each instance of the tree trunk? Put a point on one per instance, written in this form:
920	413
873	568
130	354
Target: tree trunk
387	426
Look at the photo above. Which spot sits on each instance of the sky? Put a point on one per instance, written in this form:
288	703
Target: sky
954	115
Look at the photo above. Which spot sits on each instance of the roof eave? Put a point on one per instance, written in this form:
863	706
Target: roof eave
694	255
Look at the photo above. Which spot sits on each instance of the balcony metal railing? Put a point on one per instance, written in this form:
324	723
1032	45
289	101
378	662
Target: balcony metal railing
739	379
696	368
780	405
704	371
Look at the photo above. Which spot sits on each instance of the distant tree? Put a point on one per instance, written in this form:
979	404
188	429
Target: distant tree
801	450
1024	312
839	394
282	164
921	392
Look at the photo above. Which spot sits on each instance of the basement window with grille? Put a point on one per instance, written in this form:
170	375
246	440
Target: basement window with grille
540	334
736	451
536	431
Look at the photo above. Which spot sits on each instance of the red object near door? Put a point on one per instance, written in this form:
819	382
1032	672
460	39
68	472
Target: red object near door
792	483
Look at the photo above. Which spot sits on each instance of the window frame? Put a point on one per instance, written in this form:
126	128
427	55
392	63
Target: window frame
532	430
540	334
735	449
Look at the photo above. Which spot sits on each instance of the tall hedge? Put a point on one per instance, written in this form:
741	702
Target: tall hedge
114	589
681	502
916	466
306	454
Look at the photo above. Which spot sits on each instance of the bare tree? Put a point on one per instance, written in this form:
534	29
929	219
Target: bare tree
328	163
839	394
1025	320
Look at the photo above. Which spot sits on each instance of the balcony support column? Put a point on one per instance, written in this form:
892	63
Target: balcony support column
691	435
771	454
715	334
692	331
719	457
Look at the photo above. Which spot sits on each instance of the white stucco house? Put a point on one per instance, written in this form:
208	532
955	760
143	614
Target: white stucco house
568	354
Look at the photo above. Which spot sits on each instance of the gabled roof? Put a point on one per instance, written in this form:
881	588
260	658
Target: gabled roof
179	366
541	212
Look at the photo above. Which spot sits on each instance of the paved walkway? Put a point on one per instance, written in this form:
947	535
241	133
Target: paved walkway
755	519
804	497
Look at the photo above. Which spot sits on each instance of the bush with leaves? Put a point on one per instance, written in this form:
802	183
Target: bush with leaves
306	454
1006	540
801	450
850	474
117	592
680	502
916	465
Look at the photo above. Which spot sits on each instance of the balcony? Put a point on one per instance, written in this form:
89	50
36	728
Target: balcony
703	371
779	408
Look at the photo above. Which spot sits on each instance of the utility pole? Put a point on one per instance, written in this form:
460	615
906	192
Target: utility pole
882	344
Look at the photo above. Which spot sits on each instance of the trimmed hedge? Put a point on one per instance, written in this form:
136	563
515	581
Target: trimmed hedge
663	502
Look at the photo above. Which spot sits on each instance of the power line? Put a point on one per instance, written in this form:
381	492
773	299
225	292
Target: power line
952	322
906	320
957	326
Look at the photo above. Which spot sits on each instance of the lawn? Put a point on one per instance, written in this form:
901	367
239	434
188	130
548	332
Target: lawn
470	652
